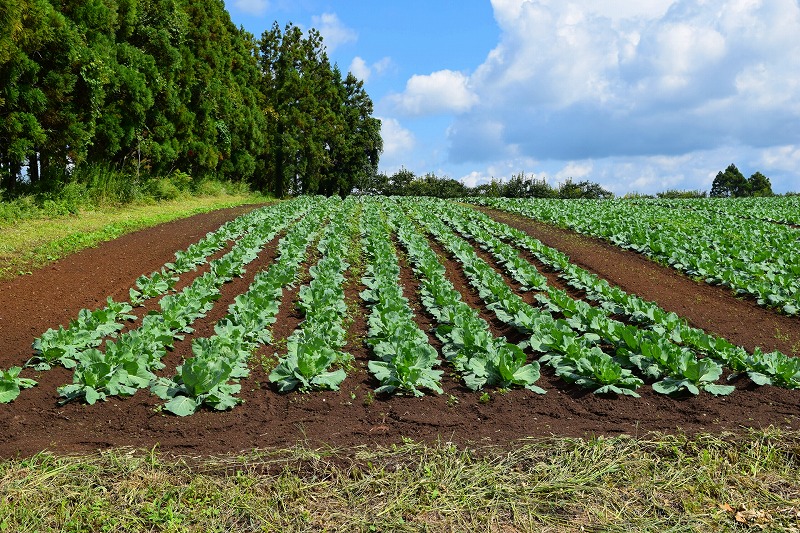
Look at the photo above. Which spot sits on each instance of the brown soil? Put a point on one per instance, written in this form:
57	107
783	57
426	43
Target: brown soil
352	416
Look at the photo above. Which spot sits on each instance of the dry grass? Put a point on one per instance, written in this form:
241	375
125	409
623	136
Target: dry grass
656	483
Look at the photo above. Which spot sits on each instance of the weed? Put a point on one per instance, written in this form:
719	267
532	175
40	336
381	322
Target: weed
781	336
661	482
369	398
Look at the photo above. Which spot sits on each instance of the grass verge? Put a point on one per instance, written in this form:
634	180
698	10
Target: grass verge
657	483
31	244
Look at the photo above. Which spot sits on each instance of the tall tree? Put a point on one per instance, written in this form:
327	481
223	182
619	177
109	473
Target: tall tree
163	85
356	147
31	31
730	183
280	65
759	185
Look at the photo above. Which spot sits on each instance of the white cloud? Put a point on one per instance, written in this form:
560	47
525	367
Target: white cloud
588	82
444	91
475	178
785	158
576	170
398	142
334	32
363	71
360	69
382	65
253	7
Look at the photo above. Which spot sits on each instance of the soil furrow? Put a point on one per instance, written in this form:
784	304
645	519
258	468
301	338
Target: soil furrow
350	417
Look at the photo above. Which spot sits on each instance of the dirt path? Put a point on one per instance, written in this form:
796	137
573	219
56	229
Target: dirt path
352	416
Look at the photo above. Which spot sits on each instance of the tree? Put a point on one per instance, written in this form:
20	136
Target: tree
583	189
522	186
355	143
374	184
730	183
759	185
22	101
160	86
399	182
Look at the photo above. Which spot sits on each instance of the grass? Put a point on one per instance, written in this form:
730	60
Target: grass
30	244
657	483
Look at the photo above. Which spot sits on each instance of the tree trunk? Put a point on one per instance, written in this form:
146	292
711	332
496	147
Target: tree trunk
33	167
7	180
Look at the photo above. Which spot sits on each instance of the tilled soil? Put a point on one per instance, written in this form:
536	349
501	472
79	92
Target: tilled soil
352	416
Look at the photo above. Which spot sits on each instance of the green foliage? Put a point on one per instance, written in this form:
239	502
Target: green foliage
406	360
11	384
63	346
675	193
405	183
306	366
322	136
733	184
759	185
149	87
583	189
204	378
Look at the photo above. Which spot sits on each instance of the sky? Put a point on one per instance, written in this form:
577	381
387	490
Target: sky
636	95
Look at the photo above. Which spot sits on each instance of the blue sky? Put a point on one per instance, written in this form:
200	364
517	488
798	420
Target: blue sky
642	95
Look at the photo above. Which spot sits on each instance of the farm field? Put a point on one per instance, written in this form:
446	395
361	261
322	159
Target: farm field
749	245
379	320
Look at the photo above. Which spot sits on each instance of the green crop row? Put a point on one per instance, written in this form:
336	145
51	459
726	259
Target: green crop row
750	256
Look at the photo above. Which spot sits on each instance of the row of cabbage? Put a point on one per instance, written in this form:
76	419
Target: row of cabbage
658	346
777	209
404	358
129	359
750	256
211	376
611	342
480	358
314	357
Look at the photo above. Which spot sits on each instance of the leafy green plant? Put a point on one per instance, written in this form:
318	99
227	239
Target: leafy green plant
158	283
406	364
505	367
692	375
11	384
199	381
306	366
596	370
63	345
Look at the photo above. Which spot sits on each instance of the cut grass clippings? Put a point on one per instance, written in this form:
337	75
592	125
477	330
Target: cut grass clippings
26	246
657	483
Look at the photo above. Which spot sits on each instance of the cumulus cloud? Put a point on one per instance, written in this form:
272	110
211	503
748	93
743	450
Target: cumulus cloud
398	142
334	32
785	158
444	91
360	69
475	178
363	71
587	80
253	7
576	170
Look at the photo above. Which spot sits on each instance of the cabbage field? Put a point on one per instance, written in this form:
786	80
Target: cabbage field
407	299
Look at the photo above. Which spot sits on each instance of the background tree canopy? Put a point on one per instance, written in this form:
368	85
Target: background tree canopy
152	87
732	184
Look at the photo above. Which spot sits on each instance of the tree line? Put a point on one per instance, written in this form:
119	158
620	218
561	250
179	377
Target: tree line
405	183
732	184
152	87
